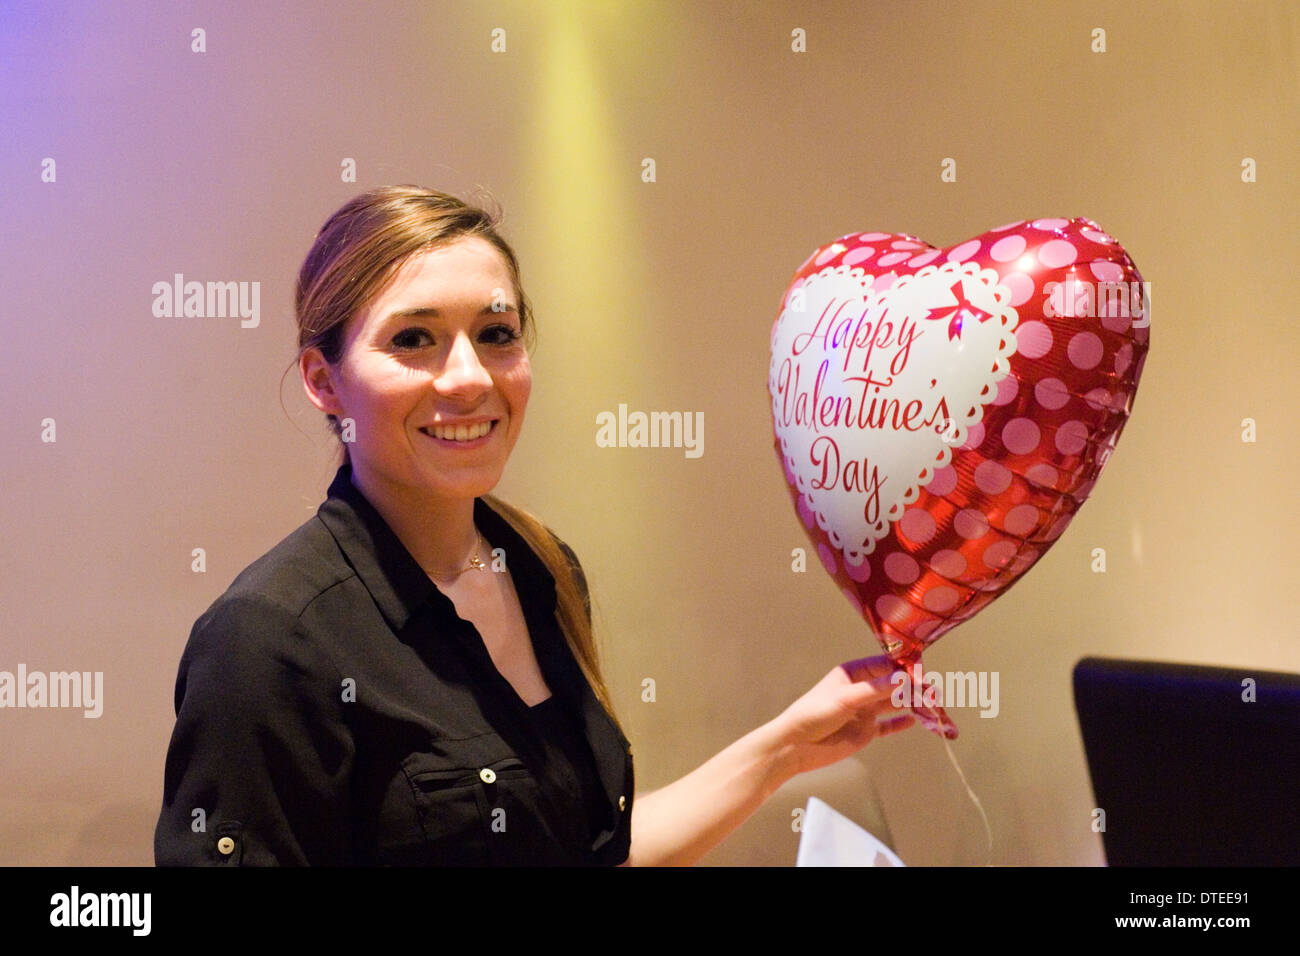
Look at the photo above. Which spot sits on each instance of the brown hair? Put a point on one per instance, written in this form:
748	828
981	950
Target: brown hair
356	254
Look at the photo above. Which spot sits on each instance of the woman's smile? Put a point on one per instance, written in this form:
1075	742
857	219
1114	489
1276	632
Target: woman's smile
460	436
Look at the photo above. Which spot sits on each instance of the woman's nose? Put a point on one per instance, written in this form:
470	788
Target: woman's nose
463	368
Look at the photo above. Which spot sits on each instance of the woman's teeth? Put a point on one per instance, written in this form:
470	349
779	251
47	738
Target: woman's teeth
459	432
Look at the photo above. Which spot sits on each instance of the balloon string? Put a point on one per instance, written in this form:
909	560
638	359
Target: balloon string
988	831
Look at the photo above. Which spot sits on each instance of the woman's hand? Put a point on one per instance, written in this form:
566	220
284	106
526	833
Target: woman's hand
845	711
850	706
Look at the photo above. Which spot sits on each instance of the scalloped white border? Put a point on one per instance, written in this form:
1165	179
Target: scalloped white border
1009	319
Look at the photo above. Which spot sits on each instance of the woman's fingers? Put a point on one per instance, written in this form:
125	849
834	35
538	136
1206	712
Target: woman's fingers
856	734
870	668
872	680
894	724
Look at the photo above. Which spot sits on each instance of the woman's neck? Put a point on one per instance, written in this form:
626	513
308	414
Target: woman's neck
438	532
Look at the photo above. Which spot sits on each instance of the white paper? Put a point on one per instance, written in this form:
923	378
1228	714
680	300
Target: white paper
832	839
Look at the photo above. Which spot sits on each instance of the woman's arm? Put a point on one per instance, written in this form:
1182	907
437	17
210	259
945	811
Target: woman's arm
677	824
258	766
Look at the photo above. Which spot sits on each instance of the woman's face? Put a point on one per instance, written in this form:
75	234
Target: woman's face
426	367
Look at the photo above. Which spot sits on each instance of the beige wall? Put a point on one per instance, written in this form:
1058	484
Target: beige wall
222	165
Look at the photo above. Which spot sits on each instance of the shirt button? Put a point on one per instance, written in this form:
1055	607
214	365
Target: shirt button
487	775
622	802
225	846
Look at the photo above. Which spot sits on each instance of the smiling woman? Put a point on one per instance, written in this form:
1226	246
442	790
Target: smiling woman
417	636
410	677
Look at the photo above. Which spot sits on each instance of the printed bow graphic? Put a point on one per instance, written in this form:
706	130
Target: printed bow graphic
963	309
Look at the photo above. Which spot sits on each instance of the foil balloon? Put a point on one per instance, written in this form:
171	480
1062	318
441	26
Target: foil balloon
942	414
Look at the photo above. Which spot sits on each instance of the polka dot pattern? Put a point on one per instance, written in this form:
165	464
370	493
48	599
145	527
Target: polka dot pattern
964	251
945	480
1123	358
1004	250
926	629
1008	388
1021	520
1042	474
902	568
917	525
999	554
1021	436
992	477
949	563
1051	394
1034	339
1105	271
1021	286
1098	399
860	254
1115	319
1071	437
940	599
891	608
1085	350
1057	253
970	523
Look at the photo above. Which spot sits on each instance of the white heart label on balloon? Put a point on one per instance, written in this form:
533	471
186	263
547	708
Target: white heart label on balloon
875	379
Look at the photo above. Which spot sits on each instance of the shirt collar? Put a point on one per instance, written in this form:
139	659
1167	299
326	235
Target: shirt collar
395	579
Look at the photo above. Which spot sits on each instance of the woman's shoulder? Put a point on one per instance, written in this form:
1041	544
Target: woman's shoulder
296	570
269	596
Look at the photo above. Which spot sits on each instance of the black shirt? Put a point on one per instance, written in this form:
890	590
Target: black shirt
333	708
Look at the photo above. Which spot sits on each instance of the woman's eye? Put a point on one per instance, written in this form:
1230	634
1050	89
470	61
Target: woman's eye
415	338
409	338
501	334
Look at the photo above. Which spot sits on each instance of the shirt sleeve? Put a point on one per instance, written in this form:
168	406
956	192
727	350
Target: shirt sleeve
258	768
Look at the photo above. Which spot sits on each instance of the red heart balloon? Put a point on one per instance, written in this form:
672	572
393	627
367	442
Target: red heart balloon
942	414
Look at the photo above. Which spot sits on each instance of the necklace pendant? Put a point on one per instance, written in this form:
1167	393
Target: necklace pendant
477	563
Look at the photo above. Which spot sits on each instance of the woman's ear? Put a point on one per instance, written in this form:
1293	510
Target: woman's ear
318	381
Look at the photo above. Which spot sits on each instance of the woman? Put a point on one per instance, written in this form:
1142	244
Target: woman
410	677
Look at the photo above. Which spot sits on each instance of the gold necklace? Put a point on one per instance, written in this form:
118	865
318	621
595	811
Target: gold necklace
475	562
